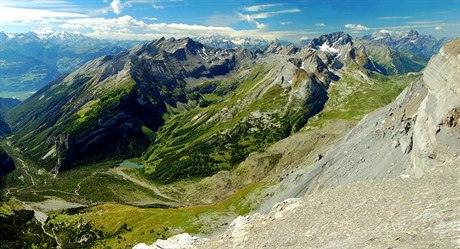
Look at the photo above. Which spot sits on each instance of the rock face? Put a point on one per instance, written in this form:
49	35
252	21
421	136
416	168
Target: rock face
391	182
408	137
399	213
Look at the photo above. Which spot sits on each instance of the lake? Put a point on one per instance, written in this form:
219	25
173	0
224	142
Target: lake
131	165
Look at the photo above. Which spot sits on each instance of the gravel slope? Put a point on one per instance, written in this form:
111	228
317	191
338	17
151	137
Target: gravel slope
399	213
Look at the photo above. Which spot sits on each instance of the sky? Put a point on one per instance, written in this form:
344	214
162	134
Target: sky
291	20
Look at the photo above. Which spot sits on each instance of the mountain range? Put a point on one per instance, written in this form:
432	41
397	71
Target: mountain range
97	112
129	139
404	155
31	60
400	53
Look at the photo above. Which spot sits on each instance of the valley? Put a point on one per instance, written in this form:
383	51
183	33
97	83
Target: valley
174	136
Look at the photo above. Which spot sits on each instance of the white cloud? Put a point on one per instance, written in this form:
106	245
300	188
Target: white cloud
260	7
425	22
127	27
150	18
252	18
356	27
437	28
285	23
261	25
41	16
157	7
394	17
385	31
39	4
124	23
422	25
320	24
117	7
265	15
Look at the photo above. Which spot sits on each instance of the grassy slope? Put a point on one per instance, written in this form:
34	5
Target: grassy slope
364	98
193	136
122	225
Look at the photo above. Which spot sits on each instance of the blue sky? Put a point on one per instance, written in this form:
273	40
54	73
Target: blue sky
288	20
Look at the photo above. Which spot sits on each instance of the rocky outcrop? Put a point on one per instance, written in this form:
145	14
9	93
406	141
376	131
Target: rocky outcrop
408	137
399	213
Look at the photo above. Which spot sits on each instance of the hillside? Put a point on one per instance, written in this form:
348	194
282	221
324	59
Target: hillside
391	182
208	108
173	128
31	60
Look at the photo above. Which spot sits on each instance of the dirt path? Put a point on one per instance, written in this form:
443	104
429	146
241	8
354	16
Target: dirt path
41	217
119	171
79	187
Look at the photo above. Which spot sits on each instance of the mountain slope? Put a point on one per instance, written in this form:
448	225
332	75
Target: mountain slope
350	202
31	60
394	54
6	164
4	128
252	109
419	130
208	108
6	104
97	112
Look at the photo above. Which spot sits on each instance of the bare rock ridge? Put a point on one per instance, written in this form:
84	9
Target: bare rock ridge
391	182
413	134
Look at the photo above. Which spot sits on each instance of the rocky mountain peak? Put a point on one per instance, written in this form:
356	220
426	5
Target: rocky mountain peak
413	33
172	45
272	47
333	40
